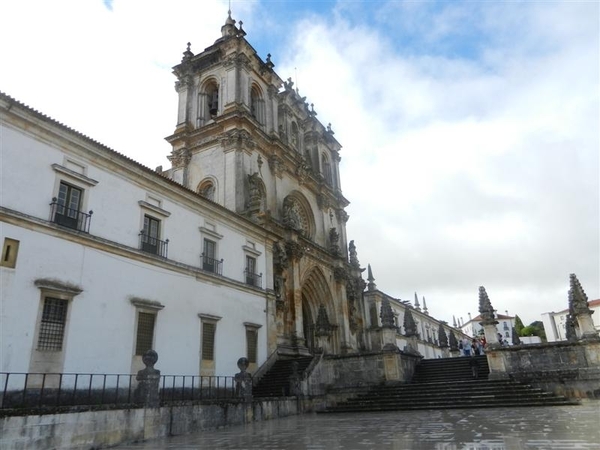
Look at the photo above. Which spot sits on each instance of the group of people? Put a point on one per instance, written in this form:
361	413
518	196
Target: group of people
471	347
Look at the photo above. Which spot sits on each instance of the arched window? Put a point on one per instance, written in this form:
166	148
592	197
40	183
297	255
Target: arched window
207	189
210	99
257	105
326	167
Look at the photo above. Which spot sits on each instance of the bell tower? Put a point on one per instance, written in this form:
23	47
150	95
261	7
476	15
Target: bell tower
248	141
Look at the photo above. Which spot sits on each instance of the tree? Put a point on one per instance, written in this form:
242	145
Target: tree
518	325
534	329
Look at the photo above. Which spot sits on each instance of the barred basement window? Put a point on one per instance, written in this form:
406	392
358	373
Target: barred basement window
145	332
52	325
208	341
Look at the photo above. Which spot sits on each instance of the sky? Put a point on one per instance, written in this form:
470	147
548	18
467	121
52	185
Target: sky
470	130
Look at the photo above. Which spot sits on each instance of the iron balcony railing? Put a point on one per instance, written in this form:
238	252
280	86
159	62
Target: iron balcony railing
69	217
253	279
153	245
211	264
46	392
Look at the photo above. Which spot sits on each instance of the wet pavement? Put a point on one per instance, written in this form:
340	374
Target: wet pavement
560	427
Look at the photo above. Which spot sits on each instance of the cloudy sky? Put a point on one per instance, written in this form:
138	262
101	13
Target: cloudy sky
470	129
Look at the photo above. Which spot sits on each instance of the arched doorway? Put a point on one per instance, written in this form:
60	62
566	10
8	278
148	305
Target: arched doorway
316	295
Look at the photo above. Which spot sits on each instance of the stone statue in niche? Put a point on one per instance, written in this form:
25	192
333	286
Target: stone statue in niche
292	217
334	238
254	192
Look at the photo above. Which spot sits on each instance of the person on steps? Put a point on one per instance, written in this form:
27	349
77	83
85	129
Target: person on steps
474	367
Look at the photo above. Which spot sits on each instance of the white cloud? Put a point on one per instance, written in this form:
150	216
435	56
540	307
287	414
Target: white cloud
466	170
470	131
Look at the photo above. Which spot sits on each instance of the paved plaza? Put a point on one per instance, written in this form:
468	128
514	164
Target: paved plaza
564	427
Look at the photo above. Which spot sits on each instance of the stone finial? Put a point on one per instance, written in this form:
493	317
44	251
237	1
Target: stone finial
425	306
442	336
486	310
352	255
417	305
570	326
269	63
243	380
578	297
371	286
410	327
454	322
188	53
580	311
146	392
387	315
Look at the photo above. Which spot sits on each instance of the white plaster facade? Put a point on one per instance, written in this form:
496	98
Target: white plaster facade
102	256
504	327
555	322
114	276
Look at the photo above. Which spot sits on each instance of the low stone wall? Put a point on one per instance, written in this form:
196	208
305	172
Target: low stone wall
360	370
571	369
100	429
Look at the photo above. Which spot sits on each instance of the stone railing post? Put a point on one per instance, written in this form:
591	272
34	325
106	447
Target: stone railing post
243	381
146	392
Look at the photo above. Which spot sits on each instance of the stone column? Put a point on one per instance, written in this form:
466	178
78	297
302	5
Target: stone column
146	392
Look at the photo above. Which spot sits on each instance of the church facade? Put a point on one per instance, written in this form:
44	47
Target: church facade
238	249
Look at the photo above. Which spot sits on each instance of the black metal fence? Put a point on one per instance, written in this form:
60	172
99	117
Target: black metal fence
150	244
69	217
48	392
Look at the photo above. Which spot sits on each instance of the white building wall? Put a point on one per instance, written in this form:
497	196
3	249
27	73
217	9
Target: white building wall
108	265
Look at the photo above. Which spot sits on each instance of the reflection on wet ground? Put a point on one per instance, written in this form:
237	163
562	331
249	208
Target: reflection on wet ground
563	427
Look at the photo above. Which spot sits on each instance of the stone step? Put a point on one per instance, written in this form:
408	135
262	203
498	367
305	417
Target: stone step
276	382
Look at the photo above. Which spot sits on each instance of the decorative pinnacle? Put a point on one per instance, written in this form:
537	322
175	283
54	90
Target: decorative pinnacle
578	300
425	306
386	314
485	306
417	305
371	286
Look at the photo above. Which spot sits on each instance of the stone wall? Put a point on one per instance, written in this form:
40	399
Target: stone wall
101	429
361	370
565	368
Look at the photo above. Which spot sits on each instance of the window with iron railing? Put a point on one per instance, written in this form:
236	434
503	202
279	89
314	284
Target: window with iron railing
65	209
209	261
149	238
252	278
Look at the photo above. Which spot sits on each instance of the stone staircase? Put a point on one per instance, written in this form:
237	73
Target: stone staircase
276	382
448	383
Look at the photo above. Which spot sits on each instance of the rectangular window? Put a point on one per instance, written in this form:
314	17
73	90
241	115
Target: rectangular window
151	235
251	277
68	204
209	261
145	332
252	344
10	250
208	341
52	325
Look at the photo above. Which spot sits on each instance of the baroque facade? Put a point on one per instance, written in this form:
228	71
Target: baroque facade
238	249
